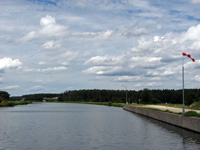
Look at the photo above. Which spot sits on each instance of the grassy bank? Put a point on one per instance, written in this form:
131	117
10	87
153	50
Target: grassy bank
105	103
94	103
188	114
14	103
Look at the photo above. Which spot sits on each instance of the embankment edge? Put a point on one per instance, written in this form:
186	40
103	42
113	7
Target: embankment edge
189	123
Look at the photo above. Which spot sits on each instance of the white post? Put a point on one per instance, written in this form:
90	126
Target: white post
126	94
183	111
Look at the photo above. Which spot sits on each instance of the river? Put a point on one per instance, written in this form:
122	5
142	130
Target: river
63	126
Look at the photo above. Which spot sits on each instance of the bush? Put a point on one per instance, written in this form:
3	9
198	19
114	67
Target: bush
195	105
192	114
109	103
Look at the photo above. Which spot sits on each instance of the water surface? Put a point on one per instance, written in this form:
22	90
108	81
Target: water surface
62	126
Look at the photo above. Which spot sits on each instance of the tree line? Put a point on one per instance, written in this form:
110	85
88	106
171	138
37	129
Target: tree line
145	96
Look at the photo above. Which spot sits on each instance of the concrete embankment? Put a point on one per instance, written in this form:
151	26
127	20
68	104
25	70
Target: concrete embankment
190	123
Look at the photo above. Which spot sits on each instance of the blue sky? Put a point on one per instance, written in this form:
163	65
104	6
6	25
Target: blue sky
50	46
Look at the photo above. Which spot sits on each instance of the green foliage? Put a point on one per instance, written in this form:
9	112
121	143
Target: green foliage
97	96
109	103
191	98
39	97
192	114
13	103
119	96
115	96
155	101
195	105
146	96
4	95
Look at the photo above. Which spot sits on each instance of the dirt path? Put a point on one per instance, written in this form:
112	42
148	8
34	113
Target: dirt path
176	110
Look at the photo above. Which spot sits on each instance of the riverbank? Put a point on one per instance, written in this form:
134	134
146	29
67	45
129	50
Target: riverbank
14	103
93	103
189	123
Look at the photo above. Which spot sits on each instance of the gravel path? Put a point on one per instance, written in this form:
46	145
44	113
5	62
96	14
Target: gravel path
176	110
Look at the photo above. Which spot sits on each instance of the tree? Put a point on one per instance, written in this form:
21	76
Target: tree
4	95
146	96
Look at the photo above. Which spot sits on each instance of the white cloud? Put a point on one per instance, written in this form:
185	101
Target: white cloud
54	69
112	34
10	87
41	63
9	63
51	45
38	81
36	88
197	78
46	70
49	28
193	33
104	60
45	21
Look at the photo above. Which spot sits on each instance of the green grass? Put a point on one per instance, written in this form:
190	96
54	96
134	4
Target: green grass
14	103
174	105
104	103
189	113
94	103
192	114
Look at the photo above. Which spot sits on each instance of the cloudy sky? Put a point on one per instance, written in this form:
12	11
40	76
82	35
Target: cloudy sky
58	45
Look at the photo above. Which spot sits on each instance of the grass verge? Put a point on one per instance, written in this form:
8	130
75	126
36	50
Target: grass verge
14	103
192	114
188	114
94	103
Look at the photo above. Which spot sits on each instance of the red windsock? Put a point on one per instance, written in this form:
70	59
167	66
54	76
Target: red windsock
193	59
189	56
184	54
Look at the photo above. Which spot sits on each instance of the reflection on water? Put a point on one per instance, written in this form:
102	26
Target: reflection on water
51	126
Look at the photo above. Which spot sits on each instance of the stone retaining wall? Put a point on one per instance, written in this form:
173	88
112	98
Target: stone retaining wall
190	123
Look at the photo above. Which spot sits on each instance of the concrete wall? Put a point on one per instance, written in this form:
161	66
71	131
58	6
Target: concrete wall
190	123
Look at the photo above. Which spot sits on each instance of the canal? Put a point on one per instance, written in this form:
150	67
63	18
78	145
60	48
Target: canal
63	126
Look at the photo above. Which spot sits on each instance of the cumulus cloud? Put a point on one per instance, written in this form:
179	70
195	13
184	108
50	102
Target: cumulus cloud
151	61
9	63
193	33
49	28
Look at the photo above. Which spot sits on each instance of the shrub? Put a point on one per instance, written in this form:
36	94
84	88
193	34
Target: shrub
192	114
195	105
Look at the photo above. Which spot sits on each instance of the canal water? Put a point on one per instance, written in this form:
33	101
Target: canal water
62	126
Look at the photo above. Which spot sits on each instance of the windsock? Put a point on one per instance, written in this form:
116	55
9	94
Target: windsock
189	56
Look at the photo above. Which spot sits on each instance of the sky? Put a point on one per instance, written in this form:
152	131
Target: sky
50	46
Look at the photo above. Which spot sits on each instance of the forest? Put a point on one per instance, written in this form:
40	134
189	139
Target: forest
145	96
